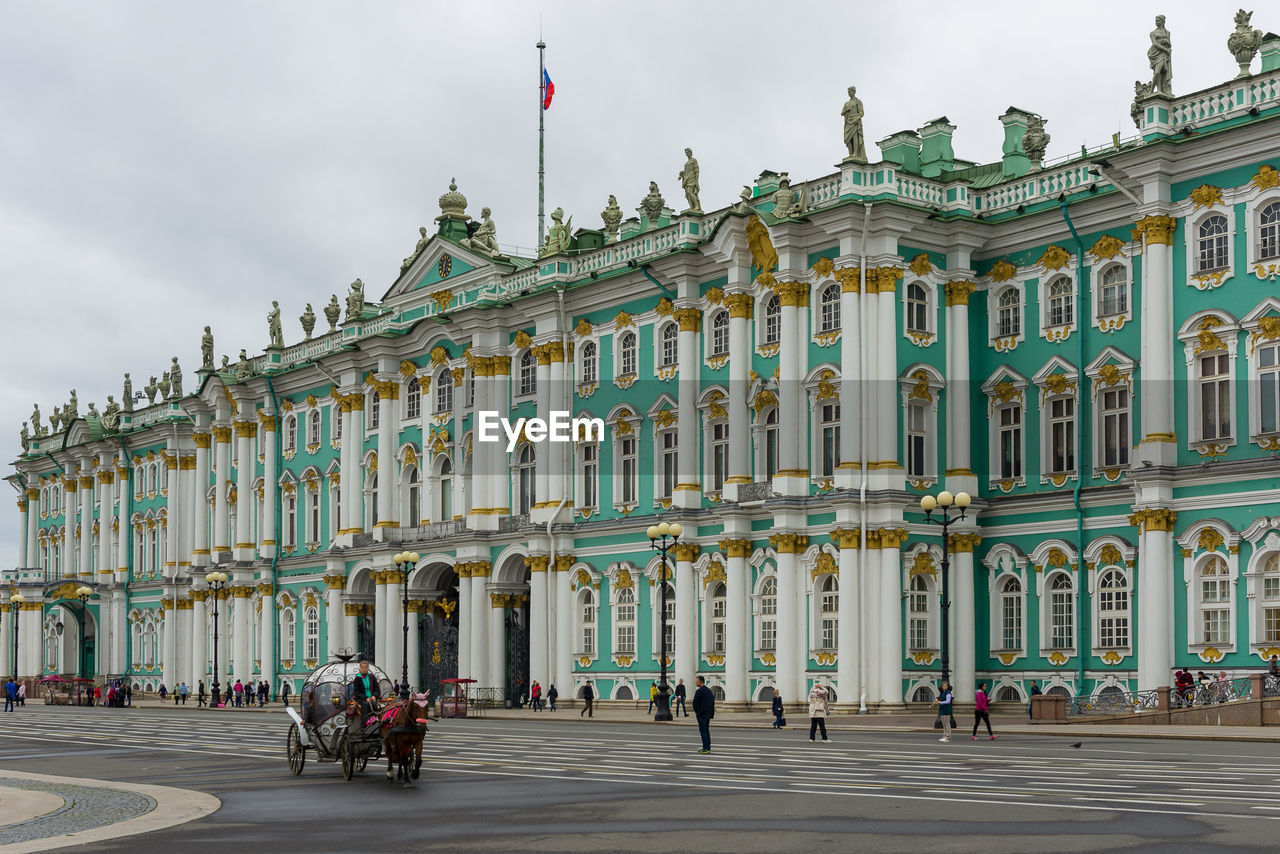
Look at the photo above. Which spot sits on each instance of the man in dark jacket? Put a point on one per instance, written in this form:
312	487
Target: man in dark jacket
364	690
680	695
704	709
588	696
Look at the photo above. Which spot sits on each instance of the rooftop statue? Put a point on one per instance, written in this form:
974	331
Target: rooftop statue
243	371
743	206
612	216
274	329
853	139
485	238
127	397
1035	141
55	420
787	202
111	415
1160	56
93	410
355	301
308	321
453	205
226	363
206	349
1244	42
689	182
558	235
25	436
332	312
163	386
72	410
417	250
151	388
36	419
175	378
1141	91
653	204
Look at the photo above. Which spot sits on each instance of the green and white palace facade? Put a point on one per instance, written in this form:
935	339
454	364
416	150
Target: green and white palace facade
1091	348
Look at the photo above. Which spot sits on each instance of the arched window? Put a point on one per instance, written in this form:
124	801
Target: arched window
918	614
1113	298
829	308
149	644
1271	599
291	433
829	613
313	427
589	366
1062	611
313	514
413	497
1215	601
413	399
374	411
1007	694
1269	232
587	622
917	308
772	320
624	618
627	356
922	694
528	373
525	478
444	392
135	637
720	333
371	499
311	627
444	498
153	478
767	618
670	349
1011	614
718	611
1060	302
1113	610
288	635
1211	244
51	661
1009	313
717	691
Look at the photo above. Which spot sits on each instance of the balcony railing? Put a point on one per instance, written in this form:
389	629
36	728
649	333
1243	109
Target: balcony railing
1113	703
422	533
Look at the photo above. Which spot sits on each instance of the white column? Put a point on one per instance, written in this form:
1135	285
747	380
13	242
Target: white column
543	451
221	482
852	422
198	647
379	615
848	688
200	551
464	616
394	638
963	616
415	653
192	506
169	651
1159	428
242	664
688	490
958	414
268	655
482	370
271	488
539	662
459	456
335	581
740	310
25	539
31	650
793	469
69	484
788	642
738	641
559	470
388	417
890	607
120	621
348	477
478	624
174	518
884	393
496	618
563	662
245	432
86	526
1155	608
686	654
499	461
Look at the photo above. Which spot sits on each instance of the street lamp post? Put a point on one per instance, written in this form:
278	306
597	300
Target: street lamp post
405	561
83	593
944	502
662	538
16	601
216	581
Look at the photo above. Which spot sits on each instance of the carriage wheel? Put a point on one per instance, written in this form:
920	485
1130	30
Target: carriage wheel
295	749
348	757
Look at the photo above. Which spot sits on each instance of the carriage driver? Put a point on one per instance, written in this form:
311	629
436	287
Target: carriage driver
364	690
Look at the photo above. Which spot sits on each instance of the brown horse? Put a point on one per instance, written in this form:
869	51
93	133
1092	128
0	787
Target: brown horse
402	733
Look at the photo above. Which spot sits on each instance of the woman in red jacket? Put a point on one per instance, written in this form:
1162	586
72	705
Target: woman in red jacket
980	713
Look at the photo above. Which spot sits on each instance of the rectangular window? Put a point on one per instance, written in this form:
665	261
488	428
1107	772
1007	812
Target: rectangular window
1271	624
669	469
589	640
1113	633
1011	624
626	640
916	440
717	637
628	461
1062	435
1115	427
590	474
768	634
719	455
919	633
1215	397
1010	442
830	439
1269	389
373	412
1216	623
771	450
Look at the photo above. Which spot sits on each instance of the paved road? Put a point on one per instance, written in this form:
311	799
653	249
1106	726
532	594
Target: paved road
572	785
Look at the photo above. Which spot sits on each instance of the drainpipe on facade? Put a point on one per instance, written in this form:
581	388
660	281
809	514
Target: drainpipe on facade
862	454
1082	418
275	551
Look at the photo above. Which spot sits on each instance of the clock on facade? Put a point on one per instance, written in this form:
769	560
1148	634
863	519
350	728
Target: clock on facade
445	266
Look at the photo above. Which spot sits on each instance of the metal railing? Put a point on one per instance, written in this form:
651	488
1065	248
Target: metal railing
1211	693
422	533
1113	703
1271	686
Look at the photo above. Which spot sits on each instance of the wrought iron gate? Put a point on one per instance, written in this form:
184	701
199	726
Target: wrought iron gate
437	654
365	646
518	684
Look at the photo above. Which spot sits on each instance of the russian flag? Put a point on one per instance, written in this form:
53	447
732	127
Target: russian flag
548	89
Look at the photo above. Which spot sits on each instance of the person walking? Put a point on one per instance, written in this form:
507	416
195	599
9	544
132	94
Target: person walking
779	714
1035	692
164	693
237	691
200	702
704	709
284	692
535	695
588	696
22	694
128	694
264	696
177	690
552	693
680	694
10	694
653	697
818	709
981	713
944	710
97	695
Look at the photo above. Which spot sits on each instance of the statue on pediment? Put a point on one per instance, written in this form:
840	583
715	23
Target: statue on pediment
744	201
72	410
612	216
226	364
1244	43
1035	141
111	415
243	370
787	202
150	389
163	386
36	420
484	240
355	301
1160	57
308	320
25	435
417	250
853	139
127	397
55	420
558	235
175	378
275	330
93	410
689	182
206	349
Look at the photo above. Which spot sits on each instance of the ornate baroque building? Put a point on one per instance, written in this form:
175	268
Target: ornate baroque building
1091	348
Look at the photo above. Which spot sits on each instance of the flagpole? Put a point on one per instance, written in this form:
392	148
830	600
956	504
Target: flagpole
542	97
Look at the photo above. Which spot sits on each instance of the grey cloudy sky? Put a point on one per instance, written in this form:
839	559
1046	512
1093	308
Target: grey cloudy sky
167	165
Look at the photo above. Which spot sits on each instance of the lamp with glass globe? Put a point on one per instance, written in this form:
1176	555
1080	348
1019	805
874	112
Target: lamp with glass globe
405	561
662	538
943	505
15	602
216	581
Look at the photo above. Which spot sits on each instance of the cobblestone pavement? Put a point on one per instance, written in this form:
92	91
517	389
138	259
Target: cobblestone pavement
85	808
